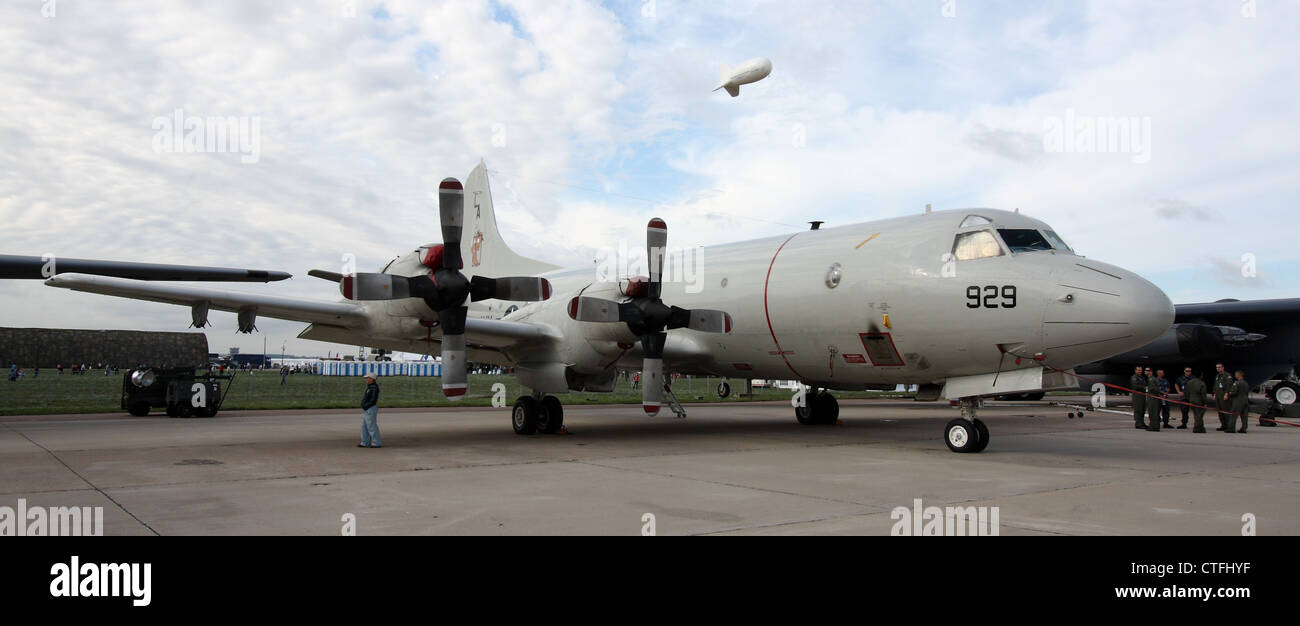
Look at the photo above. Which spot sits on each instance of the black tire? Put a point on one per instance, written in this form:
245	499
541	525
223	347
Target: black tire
724	389
828	409
524	416
960	435
1290	393
983	432
550	419
138	409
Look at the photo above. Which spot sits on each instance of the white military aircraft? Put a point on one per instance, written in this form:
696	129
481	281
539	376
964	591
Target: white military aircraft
966	304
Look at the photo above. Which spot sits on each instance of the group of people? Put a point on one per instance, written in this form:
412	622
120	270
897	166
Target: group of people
1153	392
77	369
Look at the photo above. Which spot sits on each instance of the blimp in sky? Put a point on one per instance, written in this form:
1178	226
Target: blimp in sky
750	71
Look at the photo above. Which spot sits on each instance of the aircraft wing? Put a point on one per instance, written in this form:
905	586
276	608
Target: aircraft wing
35	267
1235	313
343	314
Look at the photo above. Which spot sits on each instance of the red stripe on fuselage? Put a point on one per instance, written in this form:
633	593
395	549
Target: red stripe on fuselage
768	315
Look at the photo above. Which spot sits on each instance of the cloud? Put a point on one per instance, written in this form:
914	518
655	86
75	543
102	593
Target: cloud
1182	211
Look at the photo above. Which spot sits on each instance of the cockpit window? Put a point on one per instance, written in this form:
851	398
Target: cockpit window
980	244
1057	242
1024	240
975	220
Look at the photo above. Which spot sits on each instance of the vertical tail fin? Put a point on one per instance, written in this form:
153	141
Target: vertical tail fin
724	77
485	252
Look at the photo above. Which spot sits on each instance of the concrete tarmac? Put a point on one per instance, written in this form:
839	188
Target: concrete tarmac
727	469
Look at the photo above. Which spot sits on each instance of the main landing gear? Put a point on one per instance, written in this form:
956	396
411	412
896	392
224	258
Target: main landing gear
537	414
818	408
967	433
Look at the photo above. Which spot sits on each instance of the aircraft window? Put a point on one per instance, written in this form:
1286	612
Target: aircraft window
1057	242
980	244
975	220
1024	240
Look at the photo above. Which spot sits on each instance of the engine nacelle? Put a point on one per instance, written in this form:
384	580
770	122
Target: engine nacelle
199	314
1182	342
247	320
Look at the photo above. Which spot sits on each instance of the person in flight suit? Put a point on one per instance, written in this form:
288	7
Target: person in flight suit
1165	388
1138	384
1222	385
1180	388
1154	398
1240	402
1195	392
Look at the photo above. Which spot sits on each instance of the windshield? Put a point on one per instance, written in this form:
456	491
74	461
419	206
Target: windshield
1057	242
1024	240
980	244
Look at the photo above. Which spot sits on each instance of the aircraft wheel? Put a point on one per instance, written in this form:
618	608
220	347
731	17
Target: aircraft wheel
807	413
961	435
724	389
524	416
551	416
1286	393
983	432
138	409
828	409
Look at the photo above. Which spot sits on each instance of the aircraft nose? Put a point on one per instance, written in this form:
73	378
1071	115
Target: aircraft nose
1103	310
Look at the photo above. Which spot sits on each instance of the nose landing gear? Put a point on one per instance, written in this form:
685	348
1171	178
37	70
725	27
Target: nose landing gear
819	407
967	433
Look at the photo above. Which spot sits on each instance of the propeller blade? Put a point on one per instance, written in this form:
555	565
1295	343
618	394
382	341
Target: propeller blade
587	309
333	277
703	320
656	240
652	372
451	209
652	389
515	288
455	380
375	287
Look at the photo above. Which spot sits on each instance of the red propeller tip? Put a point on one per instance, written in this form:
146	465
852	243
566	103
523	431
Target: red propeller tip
573	308
546	289
651	409
450	184
657	223
347	287
453	391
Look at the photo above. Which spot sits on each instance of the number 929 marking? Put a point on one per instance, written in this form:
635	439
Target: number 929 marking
988	297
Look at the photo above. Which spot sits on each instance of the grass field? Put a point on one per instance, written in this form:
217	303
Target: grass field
96	393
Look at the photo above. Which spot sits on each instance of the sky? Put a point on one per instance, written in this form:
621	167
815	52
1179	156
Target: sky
593	117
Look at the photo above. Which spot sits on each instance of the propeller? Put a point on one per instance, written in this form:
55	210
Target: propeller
445	289
648	317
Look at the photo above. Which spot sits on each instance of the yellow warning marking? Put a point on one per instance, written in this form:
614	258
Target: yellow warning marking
864	241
